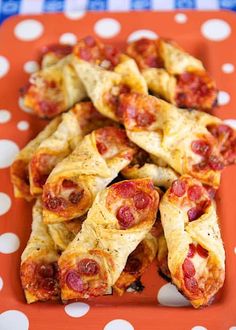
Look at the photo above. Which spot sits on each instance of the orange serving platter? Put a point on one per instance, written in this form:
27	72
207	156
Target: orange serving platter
208	35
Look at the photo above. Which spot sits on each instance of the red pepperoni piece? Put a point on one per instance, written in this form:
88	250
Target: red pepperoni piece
74	281
48	284
215	164
178	188
218	130
133	265
201	147
69	184
23	90
54	203
194	213
58	49
125	189
153	62
141	200
102	148
191	251
191	284
143	44
90	41
47	108
76	196
46	270
202	252
210	191
144	119
188	268
125	217
124	89
112	54
194	193
88	267
85	54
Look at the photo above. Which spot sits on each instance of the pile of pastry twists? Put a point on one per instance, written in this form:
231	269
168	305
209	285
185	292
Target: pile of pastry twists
124	174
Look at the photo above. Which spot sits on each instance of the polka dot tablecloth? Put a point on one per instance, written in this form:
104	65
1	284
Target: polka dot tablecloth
210	36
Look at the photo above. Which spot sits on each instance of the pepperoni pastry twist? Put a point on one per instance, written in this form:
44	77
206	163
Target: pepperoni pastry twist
38	271
53	53
196	257
19	168
74	182
104	87
75	124
54	89
173	74
119	219
183	139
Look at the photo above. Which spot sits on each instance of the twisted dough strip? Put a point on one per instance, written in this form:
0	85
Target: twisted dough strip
119	219
196	257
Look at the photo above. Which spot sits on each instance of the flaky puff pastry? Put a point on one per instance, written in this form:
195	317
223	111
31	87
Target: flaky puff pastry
38	270
73	184
173	74
54	89
75	124
104	87
119	219
19	168
181	138
196	257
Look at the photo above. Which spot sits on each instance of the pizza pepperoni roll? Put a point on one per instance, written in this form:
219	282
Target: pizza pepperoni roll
196	257
19	168
75	124
173	74
54	89
104	87
179	137
119	219
74	182
38	271
52	54
137	263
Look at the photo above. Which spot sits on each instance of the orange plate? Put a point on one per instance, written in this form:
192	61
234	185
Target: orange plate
141	311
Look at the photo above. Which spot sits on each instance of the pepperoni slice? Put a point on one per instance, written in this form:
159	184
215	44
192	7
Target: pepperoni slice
210	191
58	49
90	41
125	189
194	193
143	44
46	270
202	252
133	265
102	148
69	184
188	268
141	200
201	147
144	119
47	284
215	164
219	130
125	217
178	188
74	281
191	284
194	213
55	203
76	196
191	251
88	267
85	54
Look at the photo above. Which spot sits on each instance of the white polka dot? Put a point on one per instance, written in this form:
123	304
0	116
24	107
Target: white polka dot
9	243
75	14
227	68
181	18
13	319
199	327
5	116
168	295
142	34
216	29
223	98
31	66
28	30
230	122
1	283
77	309
4	66
8	152
232	328
22	105
68	38
235	250
23	125
107	27
5	203
118	324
